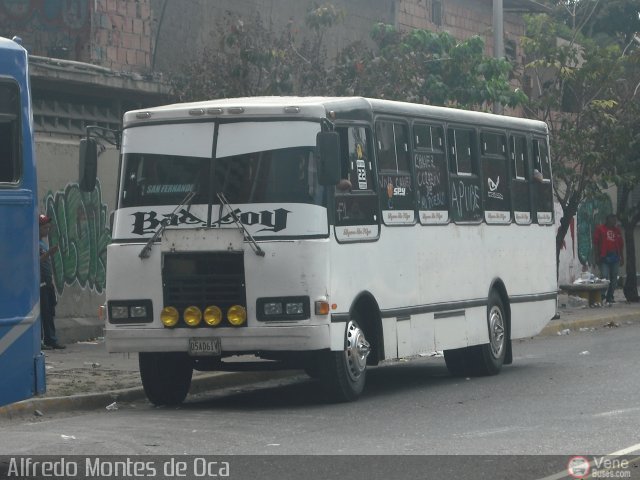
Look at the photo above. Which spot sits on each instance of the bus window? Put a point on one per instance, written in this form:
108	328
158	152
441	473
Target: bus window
428	137
431	174
465	201
495	176
394	173
520	179
358	206
519	156
357	164
542	191
494	144
541	158
152	179
10	164
461	150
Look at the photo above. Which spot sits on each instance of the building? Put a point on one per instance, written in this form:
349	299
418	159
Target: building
91	60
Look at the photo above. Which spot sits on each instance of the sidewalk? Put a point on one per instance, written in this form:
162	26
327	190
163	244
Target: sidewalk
85	376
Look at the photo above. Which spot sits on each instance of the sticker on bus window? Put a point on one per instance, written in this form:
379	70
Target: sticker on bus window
356	233
398	217
522	218
362	175
498	217
434	217
545	218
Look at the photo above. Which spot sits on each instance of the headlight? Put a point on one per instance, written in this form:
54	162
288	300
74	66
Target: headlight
295	308
212	316
237	315
130	311
169	316
192	316
119	312
138	311
273	308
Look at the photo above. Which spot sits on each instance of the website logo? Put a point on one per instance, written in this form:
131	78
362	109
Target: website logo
578	467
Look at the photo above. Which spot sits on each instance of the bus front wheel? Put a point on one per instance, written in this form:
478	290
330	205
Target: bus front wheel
166	377
343	373
491	355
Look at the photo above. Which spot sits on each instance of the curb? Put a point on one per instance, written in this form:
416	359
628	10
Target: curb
556	326
93	401
219	380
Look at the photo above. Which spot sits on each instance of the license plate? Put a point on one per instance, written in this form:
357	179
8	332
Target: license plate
205	346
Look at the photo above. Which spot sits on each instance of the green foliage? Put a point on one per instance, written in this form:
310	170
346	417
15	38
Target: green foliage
248	58
425	67
585	77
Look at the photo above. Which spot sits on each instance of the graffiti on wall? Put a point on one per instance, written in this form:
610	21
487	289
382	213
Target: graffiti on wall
82	234
591	213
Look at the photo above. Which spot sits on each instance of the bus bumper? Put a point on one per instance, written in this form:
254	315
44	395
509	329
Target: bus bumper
233	340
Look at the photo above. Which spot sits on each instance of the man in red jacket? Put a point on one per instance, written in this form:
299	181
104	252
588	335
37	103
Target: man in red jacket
608	246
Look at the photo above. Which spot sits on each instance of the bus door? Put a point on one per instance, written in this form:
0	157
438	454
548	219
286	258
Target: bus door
356	202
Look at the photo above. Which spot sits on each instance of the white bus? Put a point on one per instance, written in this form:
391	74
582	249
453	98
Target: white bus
327	234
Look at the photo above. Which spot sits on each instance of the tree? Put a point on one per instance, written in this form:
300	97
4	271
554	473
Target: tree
425	67
573	78
593	79
250	58
623	170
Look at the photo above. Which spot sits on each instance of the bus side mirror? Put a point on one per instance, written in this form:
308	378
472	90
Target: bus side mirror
328	148
88	164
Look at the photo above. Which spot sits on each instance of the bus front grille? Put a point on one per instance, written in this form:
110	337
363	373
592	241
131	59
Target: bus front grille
203	279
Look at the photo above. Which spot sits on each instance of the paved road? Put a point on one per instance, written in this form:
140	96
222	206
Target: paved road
564	395
559	391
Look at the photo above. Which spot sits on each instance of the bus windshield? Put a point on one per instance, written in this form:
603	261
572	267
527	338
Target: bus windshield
269	171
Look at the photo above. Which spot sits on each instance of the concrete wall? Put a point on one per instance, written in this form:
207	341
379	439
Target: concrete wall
81	224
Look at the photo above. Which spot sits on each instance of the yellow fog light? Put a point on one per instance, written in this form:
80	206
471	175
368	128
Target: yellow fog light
192	316
212	316
169	316
237	315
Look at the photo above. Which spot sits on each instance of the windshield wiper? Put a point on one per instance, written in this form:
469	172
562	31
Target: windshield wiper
254	245
146	250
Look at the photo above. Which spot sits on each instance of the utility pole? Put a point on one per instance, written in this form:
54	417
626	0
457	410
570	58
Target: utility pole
498	40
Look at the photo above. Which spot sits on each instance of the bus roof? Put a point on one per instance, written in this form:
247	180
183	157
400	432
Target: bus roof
351	108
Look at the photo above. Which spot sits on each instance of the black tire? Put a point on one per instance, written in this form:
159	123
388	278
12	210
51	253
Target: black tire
166	377
490	356
343	374
313	366
459	361
487	359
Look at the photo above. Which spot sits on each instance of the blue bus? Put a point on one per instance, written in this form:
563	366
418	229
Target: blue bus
22	368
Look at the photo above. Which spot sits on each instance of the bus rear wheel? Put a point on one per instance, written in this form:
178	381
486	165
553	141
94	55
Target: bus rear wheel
487	359
490	356
166	377
343	373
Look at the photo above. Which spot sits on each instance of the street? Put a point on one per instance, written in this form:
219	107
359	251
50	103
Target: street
569	394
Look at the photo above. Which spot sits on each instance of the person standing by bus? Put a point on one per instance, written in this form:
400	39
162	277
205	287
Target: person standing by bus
47	290
608	245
